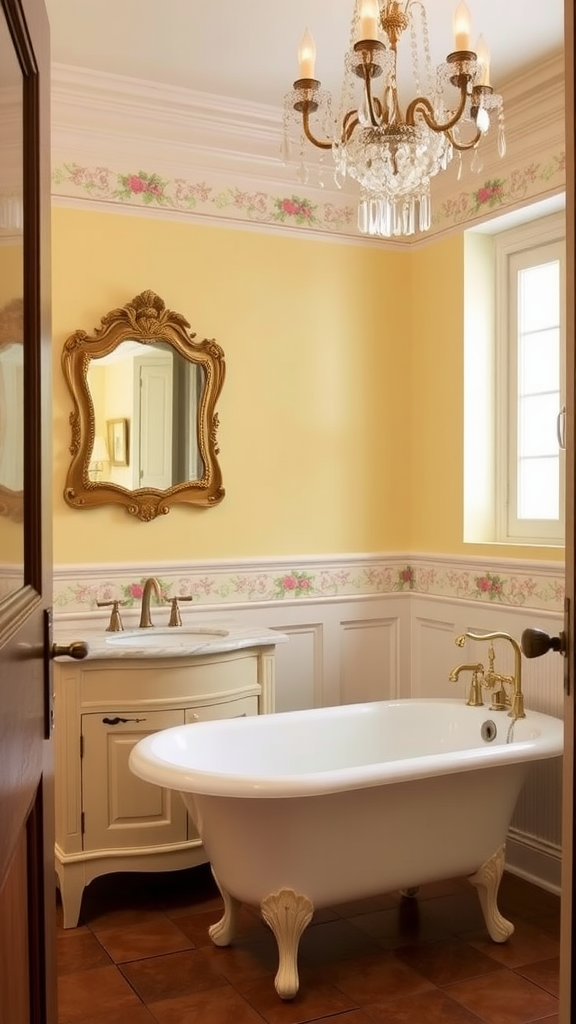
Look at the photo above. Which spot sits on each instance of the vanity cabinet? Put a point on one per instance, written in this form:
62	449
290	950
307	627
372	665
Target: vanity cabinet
106	818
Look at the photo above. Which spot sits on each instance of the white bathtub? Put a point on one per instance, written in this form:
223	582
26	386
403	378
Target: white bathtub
305	809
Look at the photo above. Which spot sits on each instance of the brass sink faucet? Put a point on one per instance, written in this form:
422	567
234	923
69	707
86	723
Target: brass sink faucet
492	679
151	584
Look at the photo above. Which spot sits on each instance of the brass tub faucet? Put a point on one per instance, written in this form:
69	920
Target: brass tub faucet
475	695
492	680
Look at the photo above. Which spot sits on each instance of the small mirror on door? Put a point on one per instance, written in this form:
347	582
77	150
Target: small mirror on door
144	421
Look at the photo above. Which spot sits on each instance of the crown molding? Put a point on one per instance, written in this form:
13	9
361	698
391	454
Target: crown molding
215	157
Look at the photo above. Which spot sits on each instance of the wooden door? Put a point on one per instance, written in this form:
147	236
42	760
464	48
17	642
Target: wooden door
27	942
568	938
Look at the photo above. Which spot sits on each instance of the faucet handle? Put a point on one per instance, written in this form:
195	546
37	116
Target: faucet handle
115	624
175	617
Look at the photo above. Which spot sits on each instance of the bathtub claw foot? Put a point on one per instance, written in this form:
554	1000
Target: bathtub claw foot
487	881
224	930
287	913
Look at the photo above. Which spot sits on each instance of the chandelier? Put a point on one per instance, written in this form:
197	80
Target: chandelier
392	151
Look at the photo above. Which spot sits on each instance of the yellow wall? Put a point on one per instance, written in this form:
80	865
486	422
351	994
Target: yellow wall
314	404
437	411
341	417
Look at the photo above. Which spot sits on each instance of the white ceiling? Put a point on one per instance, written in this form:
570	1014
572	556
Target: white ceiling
246	49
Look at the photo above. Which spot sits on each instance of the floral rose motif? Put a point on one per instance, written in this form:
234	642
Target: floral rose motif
302	211
148	187
490	194
406	577
490	585
296	584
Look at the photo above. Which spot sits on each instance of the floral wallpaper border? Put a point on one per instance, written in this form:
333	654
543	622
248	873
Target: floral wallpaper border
79	589
147	189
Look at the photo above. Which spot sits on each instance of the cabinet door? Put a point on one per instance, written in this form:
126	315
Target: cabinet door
122	811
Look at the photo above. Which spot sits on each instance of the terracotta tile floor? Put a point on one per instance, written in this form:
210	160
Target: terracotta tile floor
142	955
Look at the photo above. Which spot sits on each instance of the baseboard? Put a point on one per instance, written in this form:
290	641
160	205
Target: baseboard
534	860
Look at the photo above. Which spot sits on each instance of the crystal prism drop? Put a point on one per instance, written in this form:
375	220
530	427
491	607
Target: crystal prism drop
363	217
303	173
459	171
476	164
501	141
285	150
364	112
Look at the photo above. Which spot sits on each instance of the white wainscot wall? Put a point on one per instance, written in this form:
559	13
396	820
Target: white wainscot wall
385	646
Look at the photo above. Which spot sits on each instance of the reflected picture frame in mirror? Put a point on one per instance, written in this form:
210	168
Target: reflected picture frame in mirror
110	435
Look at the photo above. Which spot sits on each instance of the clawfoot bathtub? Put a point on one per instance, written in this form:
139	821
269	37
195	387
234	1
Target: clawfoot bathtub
304	809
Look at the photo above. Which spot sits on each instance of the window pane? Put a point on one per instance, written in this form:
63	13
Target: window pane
539	297
539	361
537	425
539	488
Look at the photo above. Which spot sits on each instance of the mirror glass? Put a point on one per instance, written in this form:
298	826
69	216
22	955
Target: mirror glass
11	318
144	424
146	406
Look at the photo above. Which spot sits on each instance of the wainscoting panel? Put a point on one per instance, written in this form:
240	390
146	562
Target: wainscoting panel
299	667
433	655
369	660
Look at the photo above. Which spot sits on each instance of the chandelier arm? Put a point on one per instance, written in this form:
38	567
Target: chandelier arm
370	99
422	105
308	132
463	146
349	123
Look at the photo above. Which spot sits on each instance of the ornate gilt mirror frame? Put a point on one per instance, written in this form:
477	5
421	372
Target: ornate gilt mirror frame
147	321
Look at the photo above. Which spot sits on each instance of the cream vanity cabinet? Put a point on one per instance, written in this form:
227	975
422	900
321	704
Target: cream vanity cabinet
106	818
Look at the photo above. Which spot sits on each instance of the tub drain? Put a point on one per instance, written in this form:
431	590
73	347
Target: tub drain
488	731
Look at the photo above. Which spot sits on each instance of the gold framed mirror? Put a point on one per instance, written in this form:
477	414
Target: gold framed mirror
144	423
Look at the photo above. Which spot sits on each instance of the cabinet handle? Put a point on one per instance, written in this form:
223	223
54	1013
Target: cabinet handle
117	721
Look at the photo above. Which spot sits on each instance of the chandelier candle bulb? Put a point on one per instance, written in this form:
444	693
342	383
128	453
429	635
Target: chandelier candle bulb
462	25
483	55
307	55
369	17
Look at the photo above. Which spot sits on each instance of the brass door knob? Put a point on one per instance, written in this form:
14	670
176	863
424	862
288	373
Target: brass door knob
76	649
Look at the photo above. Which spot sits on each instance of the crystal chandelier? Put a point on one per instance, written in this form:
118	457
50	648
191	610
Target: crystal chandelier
392	151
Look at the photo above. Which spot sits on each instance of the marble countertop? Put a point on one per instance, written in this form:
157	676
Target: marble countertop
191	639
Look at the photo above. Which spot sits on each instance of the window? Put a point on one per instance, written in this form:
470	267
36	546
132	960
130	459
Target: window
530	369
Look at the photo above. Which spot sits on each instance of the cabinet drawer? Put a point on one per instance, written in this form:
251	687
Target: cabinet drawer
161	680
226	709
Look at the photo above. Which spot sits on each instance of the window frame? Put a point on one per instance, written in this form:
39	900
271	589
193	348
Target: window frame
516	249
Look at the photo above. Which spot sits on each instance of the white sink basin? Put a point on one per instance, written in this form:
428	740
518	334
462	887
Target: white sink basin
177	636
